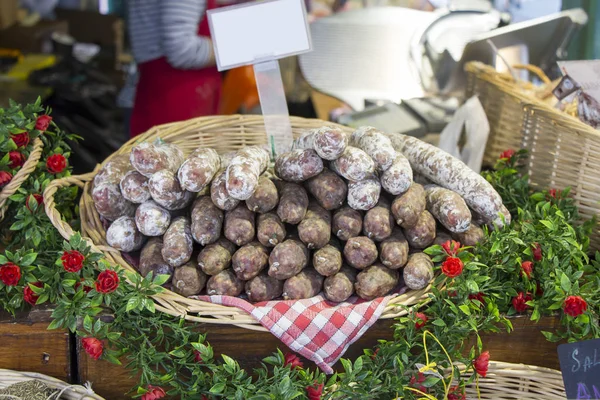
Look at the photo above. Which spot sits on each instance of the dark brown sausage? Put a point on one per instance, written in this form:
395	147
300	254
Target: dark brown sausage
240	225
328	189
292	204
347	223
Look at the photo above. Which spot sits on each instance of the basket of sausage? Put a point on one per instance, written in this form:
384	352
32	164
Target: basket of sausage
339	214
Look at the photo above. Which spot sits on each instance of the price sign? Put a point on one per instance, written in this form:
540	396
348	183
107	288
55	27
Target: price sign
259	34
580	368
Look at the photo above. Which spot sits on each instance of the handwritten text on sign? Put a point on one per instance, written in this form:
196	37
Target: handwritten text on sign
580	367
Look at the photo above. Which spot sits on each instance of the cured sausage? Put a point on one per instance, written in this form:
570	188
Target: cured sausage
377	145
329	142
448	208
244	170
199	169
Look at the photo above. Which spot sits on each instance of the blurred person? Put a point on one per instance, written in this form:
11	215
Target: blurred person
173	50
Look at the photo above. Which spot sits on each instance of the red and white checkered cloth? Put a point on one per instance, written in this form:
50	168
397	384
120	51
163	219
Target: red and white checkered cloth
319	330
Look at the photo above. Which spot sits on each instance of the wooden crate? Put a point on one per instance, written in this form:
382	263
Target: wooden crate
27	345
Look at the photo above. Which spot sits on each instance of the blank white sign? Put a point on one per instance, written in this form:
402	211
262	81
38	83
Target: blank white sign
248	33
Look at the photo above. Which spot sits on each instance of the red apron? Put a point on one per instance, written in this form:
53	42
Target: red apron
167	94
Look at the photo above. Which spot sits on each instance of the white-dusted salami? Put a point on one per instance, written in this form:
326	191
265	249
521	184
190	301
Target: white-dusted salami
244	171
364	195
166	190
188	280
218	192
376	144
110	203
207	221
114	170
422	234
329	142
354	164
199	169
151	219
398	177
148	158
177	242
451	173
134	187
298	165
124	235
448	208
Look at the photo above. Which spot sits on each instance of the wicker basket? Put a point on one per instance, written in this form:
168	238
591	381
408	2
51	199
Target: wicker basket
69	392
21	176
224	134
506	381
503	99
564	152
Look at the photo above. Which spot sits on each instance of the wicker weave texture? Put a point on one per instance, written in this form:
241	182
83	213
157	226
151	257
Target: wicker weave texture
21	176
223	133
71	392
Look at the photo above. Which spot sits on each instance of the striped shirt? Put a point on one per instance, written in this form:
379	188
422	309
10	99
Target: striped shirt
169	28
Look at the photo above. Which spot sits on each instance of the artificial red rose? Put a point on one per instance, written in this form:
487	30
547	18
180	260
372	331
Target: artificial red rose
452	293
553	193
43	122
574	306
37	197
56	163
10	274
203	397
478	296
198	357
539	292
482	363
452	267
456	393
72	260
29	295
537	252
21	139
293	361
154	393
507	154
451	247
5	177
314	392
421	320
107	282
16	159
527	268
374	355
93	347
416	381
519	302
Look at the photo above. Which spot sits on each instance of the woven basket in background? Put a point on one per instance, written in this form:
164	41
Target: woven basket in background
69	392
21	176
222	133
506	381
564	152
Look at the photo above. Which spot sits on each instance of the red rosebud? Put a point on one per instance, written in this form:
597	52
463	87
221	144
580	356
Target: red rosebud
29	295
56	163
21	139
293	361
16	159
537	252
415	381
37	197
154	393
456	393
72	261
203	397
482	363
314	392
10	274
452	267
421	320
374	355
574	306
539	292
5	177
107	282
43	122
93	347
527	268
478	296
198	357
554	194
451	247
519	302
452	293
86	289
507	154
